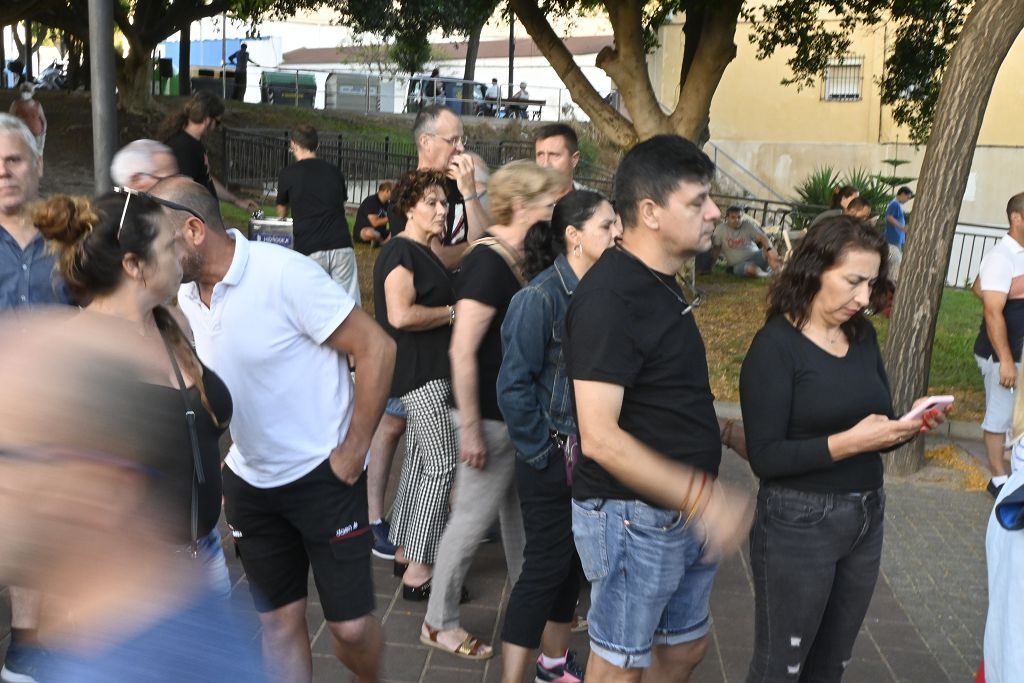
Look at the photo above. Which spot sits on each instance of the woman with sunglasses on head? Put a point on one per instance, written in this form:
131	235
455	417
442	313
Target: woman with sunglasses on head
414	302
184	131
536	400
119	256
818	413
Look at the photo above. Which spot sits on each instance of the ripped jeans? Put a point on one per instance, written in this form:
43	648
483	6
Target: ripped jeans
815	560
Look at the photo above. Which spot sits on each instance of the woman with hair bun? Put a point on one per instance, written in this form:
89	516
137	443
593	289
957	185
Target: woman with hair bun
536	400
119	257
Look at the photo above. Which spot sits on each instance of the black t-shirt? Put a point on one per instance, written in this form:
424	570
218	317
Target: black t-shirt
485	277
371	206
192	159
456	228
1013	315
208	433
316	192
795	395
422	356
624	328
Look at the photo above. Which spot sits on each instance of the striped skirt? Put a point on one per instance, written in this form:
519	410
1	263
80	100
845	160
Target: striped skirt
431	454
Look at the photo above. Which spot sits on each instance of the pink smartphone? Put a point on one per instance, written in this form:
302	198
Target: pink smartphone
932	402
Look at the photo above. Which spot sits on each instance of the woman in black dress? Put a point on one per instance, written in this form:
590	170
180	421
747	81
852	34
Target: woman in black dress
414	301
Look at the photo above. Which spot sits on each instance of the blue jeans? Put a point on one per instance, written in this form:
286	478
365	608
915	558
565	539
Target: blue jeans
815	559
650	584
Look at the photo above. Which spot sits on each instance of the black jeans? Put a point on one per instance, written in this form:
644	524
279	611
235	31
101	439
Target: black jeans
815	559
549	586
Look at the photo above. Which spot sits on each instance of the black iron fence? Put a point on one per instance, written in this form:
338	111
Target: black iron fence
255	157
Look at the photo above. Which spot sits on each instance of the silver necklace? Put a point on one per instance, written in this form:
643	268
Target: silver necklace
687	307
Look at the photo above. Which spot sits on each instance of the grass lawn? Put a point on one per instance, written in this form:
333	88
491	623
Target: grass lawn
734	310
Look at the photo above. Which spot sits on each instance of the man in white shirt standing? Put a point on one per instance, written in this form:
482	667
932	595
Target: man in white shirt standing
277	329
997	349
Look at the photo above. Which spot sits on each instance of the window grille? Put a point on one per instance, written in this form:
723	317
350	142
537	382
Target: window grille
844	77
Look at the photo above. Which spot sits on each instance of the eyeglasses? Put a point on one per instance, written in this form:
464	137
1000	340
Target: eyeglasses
454	141
131	192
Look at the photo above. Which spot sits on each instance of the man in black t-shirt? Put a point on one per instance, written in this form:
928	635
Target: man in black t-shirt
316	192
371	225
649	434
241	61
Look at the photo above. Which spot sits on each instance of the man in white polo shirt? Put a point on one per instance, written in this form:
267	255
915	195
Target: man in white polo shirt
277	329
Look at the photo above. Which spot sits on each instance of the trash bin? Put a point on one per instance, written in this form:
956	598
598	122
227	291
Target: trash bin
288	89
273	230
209	79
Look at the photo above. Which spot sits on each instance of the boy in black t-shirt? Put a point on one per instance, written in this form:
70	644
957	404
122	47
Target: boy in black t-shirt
316	192
371	225
649	434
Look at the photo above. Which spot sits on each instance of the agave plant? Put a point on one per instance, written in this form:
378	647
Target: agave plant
871	187
814	194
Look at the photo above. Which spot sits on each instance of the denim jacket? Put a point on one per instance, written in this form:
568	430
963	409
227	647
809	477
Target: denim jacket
533	386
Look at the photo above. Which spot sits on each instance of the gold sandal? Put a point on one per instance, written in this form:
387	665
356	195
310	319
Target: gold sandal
470	648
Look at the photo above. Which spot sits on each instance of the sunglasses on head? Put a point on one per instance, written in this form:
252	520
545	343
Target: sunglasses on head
131	192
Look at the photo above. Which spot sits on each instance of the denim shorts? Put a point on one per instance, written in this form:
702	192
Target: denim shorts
649	583
998	399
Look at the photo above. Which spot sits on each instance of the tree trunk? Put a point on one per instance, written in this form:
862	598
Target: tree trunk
185	60
609	122
626	64
135	81
29	45
472	50
989	31
703	66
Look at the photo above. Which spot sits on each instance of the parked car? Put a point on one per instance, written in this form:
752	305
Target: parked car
462	97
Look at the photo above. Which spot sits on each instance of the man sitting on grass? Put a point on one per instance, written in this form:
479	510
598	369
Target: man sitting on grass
747	251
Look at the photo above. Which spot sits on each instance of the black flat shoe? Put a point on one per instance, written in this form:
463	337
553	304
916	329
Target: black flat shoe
422	592
399	569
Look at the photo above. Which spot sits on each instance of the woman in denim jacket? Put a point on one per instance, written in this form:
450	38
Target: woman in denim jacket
535	398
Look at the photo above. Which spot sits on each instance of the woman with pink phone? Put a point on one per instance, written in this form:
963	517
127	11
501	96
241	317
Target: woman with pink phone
818	413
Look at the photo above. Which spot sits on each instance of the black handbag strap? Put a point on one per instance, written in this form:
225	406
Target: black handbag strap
197	461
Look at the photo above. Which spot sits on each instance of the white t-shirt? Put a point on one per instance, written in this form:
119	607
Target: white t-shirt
1004	554
264	335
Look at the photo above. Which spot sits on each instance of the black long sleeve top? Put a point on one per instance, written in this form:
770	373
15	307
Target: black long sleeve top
794	395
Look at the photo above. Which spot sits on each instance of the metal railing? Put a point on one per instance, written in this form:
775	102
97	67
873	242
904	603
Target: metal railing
971	242
255	158
719	155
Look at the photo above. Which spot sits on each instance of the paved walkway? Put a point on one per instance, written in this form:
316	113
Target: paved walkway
925	623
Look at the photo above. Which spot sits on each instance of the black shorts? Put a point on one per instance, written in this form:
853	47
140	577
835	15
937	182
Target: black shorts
317	520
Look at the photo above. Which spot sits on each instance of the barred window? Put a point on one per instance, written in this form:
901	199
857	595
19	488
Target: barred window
843	79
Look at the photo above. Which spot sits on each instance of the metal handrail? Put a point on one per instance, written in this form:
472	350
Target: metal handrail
718	150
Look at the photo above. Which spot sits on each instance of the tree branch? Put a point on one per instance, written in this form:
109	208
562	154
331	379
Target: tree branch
611	123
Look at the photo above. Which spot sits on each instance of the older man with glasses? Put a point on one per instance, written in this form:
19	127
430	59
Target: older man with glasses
142	164
441	145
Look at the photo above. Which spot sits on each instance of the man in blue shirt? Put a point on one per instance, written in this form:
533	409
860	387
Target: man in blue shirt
896	229
27	278
26	269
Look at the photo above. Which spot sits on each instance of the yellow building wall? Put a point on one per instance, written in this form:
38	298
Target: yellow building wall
781	134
